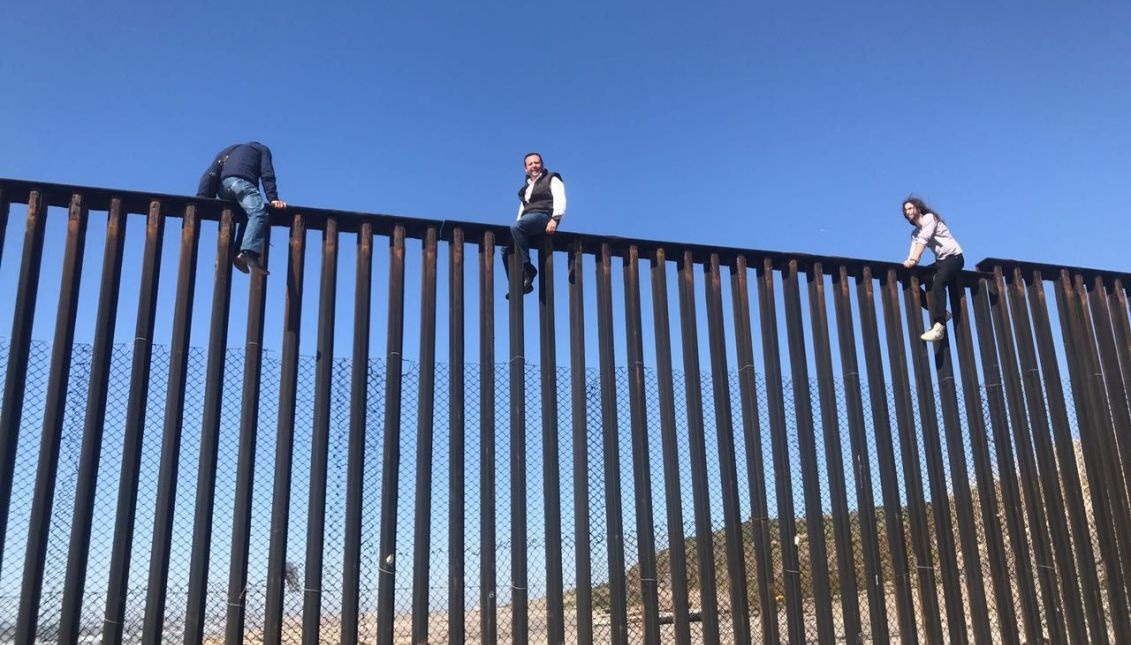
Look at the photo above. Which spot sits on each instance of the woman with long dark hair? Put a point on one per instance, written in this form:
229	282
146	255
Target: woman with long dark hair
931	231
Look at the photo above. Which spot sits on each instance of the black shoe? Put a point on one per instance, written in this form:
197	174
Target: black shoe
527	281
240	262
251	261
527	287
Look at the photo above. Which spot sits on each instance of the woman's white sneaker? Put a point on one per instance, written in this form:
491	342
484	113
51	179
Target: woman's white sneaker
934	334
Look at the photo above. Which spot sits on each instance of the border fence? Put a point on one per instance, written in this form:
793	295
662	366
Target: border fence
667	443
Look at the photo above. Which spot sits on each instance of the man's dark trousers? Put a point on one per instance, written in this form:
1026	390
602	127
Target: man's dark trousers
523	230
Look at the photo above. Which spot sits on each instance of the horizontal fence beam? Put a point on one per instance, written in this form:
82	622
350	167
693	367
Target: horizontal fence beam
16	191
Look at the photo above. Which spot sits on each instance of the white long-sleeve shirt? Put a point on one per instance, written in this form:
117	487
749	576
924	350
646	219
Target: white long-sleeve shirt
934	234
557	189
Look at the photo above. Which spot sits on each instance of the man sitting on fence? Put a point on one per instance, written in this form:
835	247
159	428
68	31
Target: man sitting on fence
542	204
235	174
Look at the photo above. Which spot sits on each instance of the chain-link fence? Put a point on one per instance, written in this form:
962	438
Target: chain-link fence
439	555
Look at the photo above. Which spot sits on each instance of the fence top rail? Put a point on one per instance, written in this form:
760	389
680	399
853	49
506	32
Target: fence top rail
1052	271
18	191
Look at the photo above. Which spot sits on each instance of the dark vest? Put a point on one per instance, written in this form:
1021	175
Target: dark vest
541	199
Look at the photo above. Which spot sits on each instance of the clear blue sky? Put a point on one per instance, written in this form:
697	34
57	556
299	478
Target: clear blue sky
751	124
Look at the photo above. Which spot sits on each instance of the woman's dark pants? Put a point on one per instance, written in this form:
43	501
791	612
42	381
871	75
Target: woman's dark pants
939	283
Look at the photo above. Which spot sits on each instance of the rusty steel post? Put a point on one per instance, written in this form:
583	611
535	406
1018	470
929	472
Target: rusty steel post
153	629
960	477
834	456
422	526
862	467
15	384
984	300
728	468
1112	413
279	571
355	461
807	447
134	430
78	554
673	489
999	426
932	447
1121	327
457	426
47	470
641	469
579	411
245	457
1059	445
696	435
983	471
1093	296
762	541
320	436
1103	425
885	453
390	469
4	208
210	434
555	605
610	442
909	449
1029	479
1073	339
488	575
516	364
783	482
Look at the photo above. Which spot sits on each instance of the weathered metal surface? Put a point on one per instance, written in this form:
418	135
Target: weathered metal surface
54	410
582	563
162	543
210	434
279	575
94	423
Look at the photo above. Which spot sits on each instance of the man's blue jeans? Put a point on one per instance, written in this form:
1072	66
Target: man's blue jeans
529	225
253	233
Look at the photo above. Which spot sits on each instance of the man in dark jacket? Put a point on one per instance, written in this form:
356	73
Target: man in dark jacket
541	206
244	165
